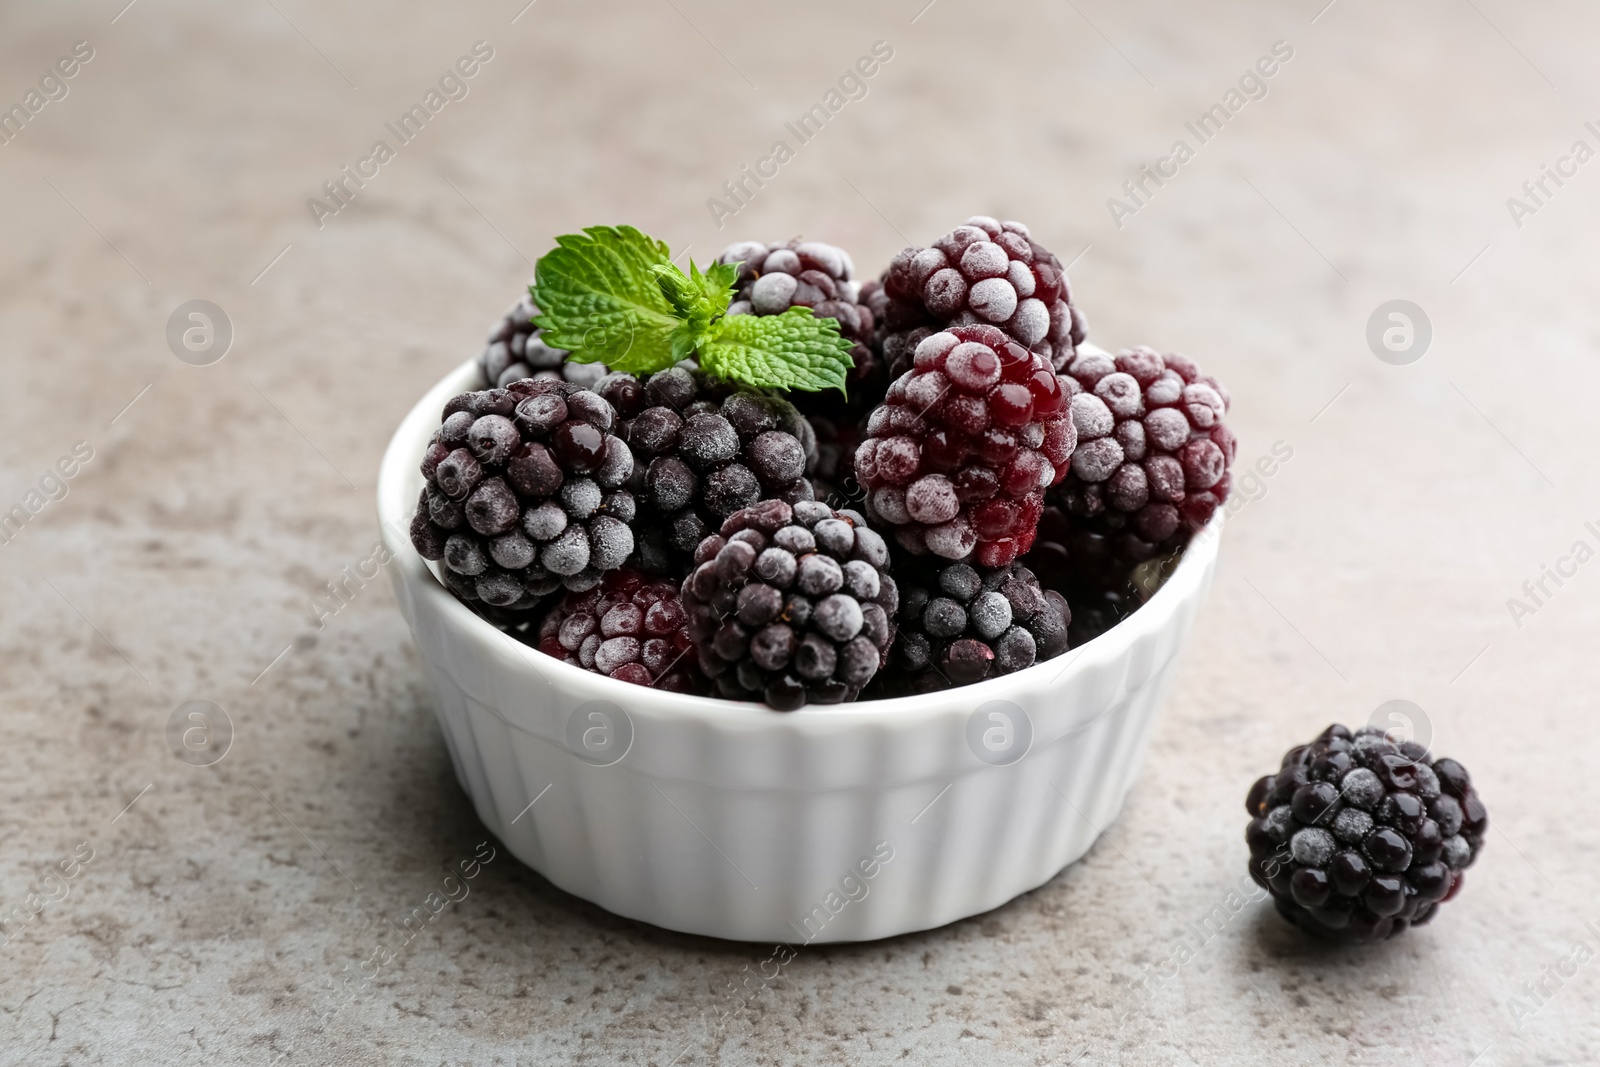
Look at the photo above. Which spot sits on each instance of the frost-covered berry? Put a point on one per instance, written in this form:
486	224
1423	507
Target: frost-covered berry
1311	847
982	272
1358	836
705	450
629	628
525	493
957	459
1153	454
791	604
958	626
516	352
1352	825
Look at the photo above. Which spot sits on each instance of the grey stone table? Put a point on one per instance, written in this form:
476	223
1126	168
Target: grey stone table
1395	152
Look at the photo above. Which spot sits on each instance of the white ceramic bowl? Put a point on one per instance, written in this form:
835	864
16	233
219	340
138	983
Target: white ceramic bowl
840	823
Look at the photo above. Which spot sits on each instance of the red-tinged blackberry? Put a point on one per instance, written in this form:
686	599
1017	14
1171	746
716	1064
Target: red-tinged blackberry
1153	455
629	628
982	272
1357	837
525	493
959	455
790	604
704	451
957	627
516	352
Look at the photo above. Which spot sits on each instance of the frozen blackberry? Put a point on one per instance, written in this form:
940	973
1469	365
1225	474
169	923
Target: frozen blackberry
983	272
629	628
525	493
1070	556
705	450
1357	837
957	627
515	352
959	456
775	277
1097	610
1153	455
790	604
834	479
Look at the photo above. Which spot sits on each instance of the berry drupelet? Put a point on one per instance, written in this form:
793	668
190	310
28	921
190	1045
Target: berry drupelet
525	493
1357	837
516	352
957	627
1153	455
704	450
629	628
959	455
790	604
983	272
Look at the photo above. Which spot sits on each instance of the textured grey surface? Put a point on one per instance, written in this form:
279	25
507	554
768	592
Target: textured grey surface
219	909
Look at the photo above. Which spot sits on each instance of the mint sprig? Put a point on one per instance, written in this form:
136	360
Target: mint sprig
795	351
612	295
598	299
699	300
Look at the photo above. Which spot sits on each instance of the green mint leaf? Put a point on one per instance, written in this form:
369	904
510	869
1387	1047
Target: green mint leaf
699	299
697	295
681	292
599	298
720	280
795	350
611	295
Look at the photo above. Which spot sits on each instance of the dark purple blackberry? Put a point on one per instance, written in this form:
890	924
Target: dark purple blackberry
834	479
628	628
525	493
775	277
705	450
1097	609
1153	456
1357	837
958	626
515	352
790	604
1103	587
983	272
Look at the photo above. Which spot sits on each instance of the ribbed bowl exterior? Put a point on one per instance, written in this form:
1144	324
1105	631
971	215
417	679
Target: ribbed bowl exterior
842	823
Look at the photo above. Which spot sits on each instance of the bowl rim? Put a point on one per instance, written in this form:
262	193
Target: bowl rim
397	486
